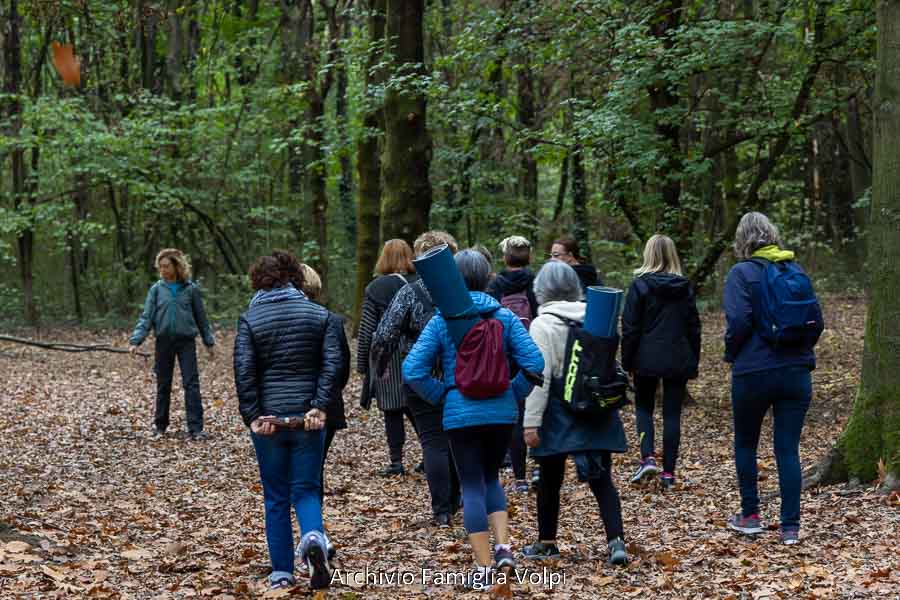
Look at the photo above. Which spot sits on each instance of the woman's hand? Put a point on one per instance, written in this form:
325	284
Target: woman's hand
260	427
532	439
314	419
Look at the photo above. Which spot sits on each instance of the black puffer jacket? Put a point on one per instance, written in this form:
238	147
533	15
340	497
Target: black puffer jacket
287	356
661	328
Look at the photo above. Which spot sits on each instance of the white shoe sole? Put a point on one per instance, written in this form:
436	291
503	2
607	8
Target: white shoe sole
745	530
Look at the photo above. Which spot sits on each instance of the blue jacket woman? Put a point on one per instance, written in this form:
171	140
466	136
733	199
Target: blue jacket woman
478	429
764	376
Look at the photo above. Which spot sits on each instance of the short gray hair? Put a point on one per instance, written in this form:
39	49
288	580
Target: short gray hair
754	231
475	269
557	281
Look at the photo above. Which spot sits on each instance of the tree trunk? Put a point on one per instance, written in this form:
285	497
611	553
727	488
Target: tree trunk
345	186
528	175
579	204
368	160
176	47
872	435
407	149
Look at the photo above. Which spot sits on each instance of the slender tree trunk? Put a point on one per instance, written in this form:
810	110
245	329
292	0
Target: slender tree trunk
176	46
579	204
368	159
407	149
528	176
345	186
870	445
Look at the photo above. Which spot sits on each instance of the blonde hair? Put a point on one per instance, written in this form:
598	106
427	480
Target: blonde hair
660	256
516	251
178	259
396	257
754	231
312	283
433	239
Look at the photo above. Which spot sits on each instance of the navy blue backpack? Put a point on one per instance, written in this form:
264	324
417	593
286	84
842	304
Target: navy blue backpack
789	311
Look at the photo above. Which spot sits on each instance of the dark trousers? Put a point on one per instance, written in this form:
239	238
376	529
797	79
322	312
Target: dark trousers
440	471
553	471
329	437
396	431
478	452
186	351
644	402
518	451
788	391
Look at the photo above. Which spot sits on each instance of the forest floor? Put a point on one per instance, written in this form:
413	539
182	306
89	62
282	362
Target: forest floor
92	507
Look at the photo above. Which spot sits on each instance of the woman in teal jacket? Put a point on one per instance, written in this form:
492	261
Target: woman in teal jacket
174	310
478	429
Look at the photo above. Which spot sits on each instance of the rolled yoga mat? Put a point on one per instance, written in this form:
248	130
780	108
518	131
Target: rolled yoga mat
602	312
439	273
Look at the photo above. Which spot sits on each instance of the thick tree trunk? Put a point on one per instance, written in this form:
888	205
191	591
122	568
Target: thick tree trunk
176	47
528	175
368	160
345	185
407	149
872	435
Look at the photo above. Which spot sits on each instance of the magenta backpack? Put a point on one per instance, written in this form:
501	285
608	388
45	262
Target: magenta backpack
518	304
482	370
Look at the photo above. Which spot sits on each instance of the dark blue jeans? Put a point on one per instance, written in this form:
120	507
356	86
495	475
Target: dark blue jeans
167	350
788	391
290	463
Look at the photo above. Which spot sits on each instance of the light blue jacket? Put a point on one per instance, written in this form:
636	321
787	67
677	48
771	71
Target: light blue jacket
459	411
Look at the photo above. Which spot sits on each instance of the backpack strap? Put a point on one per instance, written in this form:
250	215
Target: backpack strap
567	321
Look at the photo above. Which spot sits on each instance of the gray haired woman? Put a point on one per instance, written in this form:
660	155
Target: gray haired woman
765	375
553	433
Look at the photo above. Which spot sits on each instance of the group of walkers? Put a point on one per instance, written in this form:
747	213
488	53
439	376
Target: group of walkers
292	361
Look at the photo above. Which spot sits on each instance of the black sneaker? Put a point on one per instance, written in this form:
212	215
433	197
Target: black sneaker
541	551
392	470
442	520
646	469
420	468
617	553
505	560
535	477
158	433
667	481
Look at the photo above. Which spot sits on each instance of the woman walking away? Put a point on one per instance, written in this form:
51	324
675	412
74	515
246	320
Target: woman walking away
406	317
566	249
394	269
174	310
287	361
773	322
478	428
660	341
553	432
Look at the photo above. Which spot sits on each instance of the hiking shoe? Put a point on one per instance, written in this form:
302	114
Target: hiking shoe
158	433
667	481
197	436
749	525
647	468
281	580
521	486
790	535
505	560
420	468
617	553
535	477
442	520
330	549
392	470
541	551
313	550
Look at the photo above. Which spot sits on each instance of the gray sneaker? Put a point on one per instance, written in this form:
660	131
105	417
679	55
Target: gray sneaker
749	525
646	469
313	551
617	553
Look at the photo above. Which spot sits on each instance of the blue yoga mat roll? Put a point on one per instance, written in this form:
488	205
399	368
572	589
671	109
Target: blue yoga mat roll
602	312
439	273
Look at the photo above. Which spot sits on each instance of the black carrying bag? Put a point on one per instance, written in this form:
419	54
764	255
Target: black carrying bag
593	383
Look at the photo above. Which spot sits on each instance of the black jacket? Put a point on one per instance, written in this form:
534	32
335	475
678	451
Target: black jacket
336	415
661	328
514	282
287	356
588	275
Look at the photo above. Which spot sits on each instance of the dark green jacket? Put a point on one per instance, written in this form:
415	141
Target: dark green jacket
173	316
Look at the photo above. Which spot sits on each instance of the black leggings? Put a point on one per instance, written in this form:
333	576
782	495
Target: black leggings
518	451
329	437
396	431
553	471
644	402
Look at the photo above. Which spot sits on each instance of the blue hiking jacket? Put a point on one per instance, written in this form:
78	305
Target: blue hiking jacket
435	343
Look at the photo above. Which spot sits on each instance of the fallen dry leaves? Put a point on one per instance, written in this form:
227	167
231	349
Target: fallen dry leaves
92	507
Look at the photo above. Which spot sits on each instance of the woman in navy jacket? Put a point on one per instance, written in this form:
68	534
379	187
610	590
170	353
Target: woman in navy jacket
479	429
764	376
660	341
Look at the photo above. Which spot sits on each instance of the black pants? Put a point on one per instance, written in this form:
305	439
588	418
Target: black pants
478	452
644	402
329	437
440	470
396	432
186	351
518	451
553	471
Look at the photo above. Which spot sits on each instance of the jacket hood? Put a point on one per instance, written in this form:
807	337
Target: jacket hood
281	294
667	285
514	282
774	254
563	308
483	302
